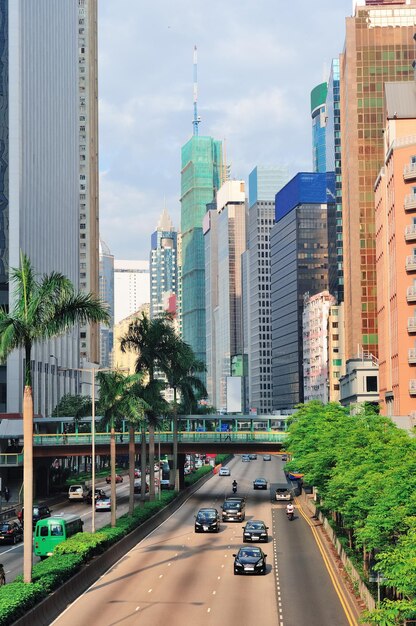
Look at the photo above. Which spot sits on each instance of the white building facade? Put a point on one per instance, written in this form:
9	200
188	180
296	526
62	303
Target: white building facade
131	287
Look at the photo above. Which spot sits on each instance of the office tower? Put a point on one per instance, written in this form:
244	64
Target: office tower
225	241
200	178
318	114
264	183
315	318
379	47
131	287
88	168
395	196
107	296
39	175
163	267
126	359
299	265
333	164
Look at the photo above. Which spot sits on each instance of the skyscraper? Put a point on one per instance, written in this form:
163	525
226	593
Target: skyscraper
299	265
163	267
107	296
88	167
225	241
200	178
379	47
39	173
264	182
318	114
131	287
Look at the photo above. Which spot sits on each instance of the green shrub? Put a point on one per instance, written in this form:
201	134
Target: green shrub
16	598
54	571
84	544
193	478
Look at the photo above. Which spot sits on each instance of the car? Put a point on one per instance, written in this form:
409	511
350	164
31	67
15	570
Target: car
207	520
103	504
233	510
138	486
165	484
255	530
137	473
260	483
284	457
283	493
267	457
99	493
250	560
40	511
245	458
77	492
10	532
253	457
224	471
119	479
198	464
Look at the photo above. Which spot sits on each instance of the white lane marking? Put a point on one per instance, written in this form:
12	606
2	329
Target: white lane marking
219	577
223	565
169	564
160	575
213	593
208	610
137	608
13	548
150	591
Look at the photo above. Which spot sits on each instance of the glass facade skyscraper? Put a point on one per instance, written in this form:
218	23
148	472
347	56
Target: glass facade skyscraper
200	178
318	113
163	266
299	265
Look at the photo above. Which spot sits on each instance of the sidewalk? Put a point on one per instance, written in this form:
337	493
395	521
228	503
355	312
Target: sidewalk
355	604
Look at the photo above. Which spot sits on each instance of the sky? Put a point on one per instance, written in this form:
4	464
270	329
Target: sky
258	61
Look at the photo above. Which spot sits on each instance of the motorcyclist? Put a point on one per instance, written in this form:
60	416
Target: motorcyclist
290	509
234	486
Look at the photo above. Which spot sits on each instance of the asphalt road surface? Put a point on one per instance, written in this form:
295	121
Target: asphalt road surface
175	577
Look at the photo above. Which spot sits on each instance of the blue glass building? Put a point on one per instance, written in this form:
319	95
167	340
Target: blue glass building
318	113
299	266
163	266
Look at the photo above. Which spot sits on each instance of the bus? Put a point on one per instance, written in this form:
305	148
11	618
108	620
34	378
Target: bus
53	530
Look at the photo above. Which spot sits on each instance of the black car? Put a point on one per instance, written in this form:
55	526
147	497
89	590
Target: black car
250	560
207	521
40	511
255	530
260	483
233	510
253	457
284	457
10	532
99	493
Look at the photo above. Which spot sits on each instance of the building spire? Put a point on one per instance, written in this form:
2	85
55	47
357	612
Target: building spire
196	119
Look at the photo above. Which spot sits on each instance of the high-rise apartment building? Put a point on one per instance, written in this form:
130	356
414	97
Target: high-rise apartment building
200	178
163	267
264	182
107	296
131	287
225	241
379	47
395	195
39	175
318	114
333	164
299	265
88	168
336	358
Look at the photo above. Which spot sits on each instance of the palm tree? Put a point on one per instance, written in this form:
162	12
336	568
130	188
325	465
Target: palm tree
44	308
150	339
181	369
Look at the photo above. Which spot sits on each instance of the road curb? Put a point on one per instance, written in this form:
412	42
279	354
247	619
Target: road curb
51	607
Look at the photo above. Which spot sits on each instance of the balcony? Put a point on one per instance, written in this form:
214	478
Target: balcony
411	294
411	324
410	232
409	171
412	387
410	202
412	356
411	263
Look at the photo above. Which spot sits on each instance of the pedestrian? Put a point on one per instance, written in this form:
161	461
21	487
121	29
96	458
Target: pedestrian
6	494
65	435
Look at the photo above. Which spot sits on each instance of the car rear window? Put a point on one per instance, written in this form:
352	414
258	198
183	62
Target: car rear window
232	505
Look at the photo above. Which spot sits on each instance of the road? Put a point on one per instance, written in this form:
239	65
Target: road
177	577
12	556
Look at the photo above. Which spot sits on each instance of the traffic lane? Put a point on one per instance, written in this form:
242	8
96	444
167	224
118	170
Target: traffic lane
176	568
307	593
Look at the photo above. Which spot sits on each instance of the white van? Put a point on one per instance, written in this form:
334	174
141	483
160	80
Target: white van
77	492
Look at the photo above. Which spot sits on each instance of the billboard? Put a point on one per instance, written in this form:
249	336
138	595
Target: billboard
234	404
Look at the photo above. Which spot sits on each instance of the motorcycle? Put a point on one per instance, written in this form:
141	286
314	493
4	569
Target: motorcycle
234	488
290	515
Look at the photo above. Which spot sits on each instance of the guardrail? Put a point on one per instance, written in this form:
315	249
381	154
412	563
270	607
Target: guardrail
11	459
165	437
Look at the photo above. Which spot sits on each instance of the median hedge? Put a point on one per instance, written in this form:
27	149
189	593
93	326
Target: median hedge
17	598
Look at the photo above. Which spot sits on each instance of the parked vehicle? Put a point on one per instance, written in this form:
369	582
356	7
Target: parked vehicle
138	487
207	520
250	560
10	532
52	531
119	479
255	530
284	457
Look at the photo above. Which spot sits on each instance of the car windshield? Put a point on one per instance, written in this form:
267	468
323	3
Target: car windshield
206	515
231	505
250	552
255	526
281	490
4	528
260	480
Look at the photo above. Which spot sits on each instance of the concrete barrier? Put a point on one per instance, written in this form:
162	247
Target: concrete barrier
48	609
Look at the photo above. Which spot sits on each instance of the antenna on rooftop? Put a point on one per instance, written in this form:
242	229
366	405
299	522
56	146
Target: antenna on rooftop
196	119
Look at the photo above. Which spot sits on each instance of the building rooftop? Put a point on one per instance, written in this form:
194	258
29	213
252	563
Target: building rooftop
400	100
